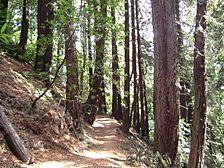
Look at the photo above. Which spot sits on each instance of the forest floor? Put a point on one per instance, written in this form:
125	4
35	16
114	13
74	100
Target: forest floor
101	145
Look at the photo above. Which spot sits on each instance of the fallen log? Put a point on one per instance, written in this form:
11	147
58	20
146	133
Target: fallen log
13	140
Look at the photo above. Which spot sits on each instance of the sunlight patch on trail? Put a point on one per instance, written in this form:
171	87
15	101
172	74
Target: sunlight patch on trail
97	124
115	158
51	164
95	155
103	122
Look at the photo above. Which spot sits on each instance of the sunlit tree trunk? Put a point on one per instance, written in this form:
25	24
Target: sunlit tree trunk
196	157
84	45
126	112
97	92
25	27
72	84
116	102
166	82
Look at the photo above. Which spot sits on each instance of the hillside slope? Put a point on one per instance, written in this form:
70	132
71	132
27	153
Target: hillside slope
102	145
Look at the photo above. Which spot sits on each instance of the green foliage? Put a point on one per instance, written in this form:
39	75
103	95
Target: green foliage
184	141
3	28
215	61
10	31
5	38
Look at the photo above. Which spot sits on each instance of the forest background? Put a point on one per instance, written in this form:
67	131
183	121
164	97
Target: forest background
87	48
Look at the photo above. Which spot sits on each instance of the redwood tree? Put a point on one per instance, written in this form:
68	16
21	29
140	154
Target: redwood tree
126	112
142	86
83	27
72	84
43	60
200	79
136	123
25	27
166	90
89	47
97	92
116	102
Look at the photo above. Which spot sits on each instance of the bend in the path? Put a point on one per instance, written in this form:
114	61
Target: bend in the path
107	142
105	151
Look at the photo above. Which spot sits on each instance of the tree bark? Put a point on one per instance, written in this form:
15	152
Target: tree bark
25	27
72	84
49	36
142	86
196	157
90	55
166	82
136	123
97	92
116	102
41	18
84	46
43	60
126	112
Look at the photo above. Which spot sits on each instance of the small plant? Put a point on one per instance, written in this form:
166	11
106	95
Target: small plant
5	38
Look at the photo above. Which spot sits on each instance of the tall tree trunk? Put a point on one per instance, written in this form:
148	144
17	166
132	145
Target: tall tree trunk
3	12
43	60
97	92
126	112
41	17
90	55
49	36
200	79
166	82
142	86
72	84
25	27
136	123
116	102
84	46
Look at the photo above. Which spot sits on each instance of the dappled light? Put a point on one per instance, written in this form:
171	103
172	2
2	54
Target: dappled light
105	149
96	124
52	164
108	84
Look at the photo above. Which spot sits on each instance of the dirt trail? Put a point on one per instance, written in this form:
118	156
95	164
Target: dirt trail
104	145
105	149
108	141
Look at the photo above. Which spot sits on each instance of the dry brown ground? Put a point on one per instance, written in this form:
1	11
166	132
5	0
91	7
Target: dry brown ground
103	144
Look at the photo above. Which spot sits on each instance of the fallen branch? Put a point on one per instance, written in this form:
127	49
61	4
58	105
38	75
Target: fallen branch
54	79
50	85
13	140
